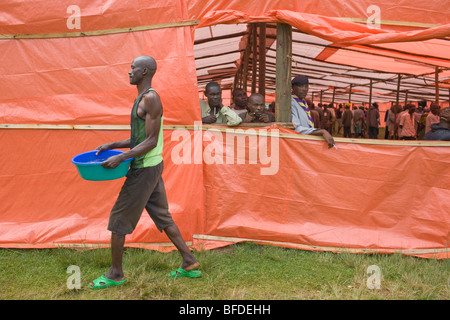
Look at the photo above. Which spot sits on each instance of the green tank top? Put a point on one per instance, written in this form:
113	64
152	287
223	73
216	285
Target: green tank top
154	156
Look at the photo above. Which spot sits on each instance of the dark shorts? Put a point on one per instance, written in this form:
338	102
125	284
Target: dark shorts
142	189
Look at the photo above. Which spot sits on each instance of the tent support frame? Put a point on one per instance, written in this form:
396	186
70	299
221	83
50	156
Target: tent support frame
283	73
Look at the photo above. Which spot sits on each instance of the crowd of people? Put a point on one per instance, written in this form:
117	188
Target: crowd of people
406	122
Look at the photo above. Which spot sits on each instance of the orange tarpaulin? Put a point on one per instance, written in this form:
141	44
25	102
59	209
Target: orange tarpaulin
85	81
44	202
65	91
415	58
325	27
421	12
277	187
359	196
43	17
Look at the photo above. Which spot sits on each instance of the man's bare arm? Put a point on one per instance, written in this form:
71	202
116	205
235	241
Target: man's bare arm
326	135
113	145
153	113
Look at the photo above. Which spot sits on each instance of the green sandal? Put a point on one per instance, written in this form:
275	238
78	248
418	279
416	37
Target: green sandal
180	273
103	282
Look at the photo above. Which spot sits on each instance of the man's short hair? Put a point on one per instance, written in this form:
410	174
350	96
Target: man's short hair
254	95
212	84
235	91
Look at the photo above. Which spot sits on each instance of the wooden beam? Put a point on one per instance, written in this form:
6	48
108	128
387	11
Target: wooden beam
246	59
183	24
101	32
334	94
227	36
262	59
370	94
254	55
436	83
236	78
398	89
350	94
283	78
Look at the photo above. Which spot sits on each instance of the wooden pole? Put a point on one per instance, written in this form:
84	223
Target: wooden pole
237	78
334	94
246	59
398	90
350	94
262	59
254	56
436	82
370	94
283	73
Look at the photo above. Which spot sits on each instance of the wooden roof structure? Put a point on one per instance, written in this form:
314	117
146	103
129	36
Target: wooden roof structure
232	55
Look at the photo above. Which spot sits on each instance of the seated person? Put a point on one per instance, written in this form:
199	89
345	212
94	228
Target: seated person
240	100
440	131
272	108
256	110
214	111
300	113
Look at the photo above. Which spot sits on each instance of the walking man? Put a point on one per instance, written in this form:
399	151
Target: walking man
144	186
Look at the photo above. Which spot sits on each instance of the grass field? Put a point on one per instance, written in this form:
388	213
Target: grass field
239	272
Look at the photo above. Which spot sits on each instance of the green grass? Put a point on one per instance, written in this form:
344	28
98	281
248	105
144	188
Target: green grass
242	271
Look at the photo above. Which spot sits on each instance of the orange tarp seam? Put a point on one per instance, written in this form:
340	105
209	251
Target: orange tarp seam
331	29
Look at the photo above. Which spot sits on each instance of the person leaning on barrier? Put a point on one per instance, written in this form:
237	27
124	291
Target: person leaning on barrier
214	111
300	113
240	101
256	110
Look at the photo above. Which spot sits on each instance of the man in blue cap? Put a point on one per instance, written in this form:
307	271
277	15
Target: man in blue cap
300	113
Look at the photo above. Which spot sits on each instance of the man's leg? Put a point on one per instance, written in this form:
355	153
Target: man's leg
116	272
158	209
174	234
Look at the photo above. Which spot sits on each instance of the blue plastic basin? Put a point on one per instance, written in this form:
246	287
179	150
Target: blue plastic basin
89	166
